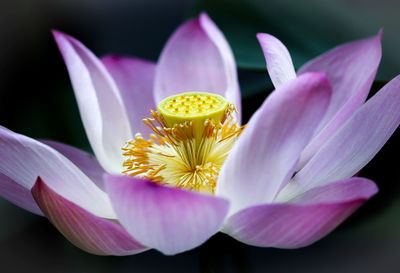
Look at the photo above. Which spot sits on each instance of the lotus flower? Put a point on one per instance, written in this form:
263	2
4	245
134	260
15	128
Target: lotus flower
190	169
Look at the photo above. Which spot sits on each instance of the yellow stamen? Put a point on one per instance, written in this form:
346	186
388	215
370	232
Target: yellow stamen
189	144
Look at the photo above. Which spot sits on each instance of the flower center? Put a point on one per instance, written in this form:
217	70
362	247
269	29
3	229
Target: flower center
193	134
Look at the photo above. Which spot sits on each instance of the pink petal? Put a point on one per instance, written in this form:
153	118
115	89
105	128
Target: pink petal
86	162
303	220
135	81
355	144
351	69
279	63
100	104
23	159
18	195
266	154
168	219
197	57
83	229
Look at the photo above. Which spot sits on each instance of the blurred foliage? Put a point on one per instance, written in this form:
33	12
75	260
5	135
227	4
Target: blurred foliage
307	28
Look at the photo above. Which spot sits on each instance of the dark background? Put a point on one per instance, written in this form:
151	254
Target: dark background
36	99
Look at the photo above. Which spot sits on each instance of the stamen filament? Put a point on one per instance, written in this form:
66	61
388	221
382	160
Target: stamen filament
187	154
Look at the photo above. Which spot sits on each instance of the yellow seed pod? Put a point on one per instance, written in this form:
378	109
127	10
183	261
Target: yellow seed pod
195	107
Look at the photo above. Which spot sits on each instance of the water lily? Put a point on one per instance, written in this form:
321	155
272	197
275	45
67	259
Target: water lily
173	165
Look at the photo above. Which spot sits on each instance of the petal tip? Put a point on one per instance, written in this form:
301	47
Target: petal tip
262	35
380	33
113	57
264	38
56	32
62	40
372	188
59	35
204	15
37	188
204	21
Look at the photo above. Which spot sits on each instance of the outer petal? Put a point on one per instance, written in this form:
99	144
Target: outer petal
18	195
85	230
351	69
355	144
267	152
86	162
100	104
135	80
197	58
23	159
168	219
304	220
279	63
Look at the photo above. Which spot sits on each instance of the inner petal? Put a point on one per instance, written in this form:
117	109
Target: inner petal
193	134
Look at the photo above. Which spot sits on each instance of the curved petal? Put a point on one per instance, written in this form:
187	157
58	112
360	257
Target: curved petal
135	81
23	159
304	220
168	219
279	63
100	104
351	69
83	229
197	57
18	195
355	144
86	162
266	154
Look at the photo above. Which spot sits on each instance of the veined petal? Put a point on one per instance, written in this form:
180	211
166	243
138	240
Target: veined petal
168	219
351	69
100	104
83	229
302	221
135	81
355	144
23	159
266	154
197	58
279	63
86	162
18	195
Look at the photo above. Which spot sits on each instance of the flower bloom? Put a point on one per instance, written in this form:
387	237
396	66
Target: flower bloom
190	169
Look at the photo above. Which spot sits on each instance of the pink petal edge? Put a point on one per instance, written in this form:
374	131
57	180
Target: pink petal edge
18	195
135	80
279	63
168	219
100	104
86	162
351	69
83	229
355	144
23	159
266	154
303	220
197	57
